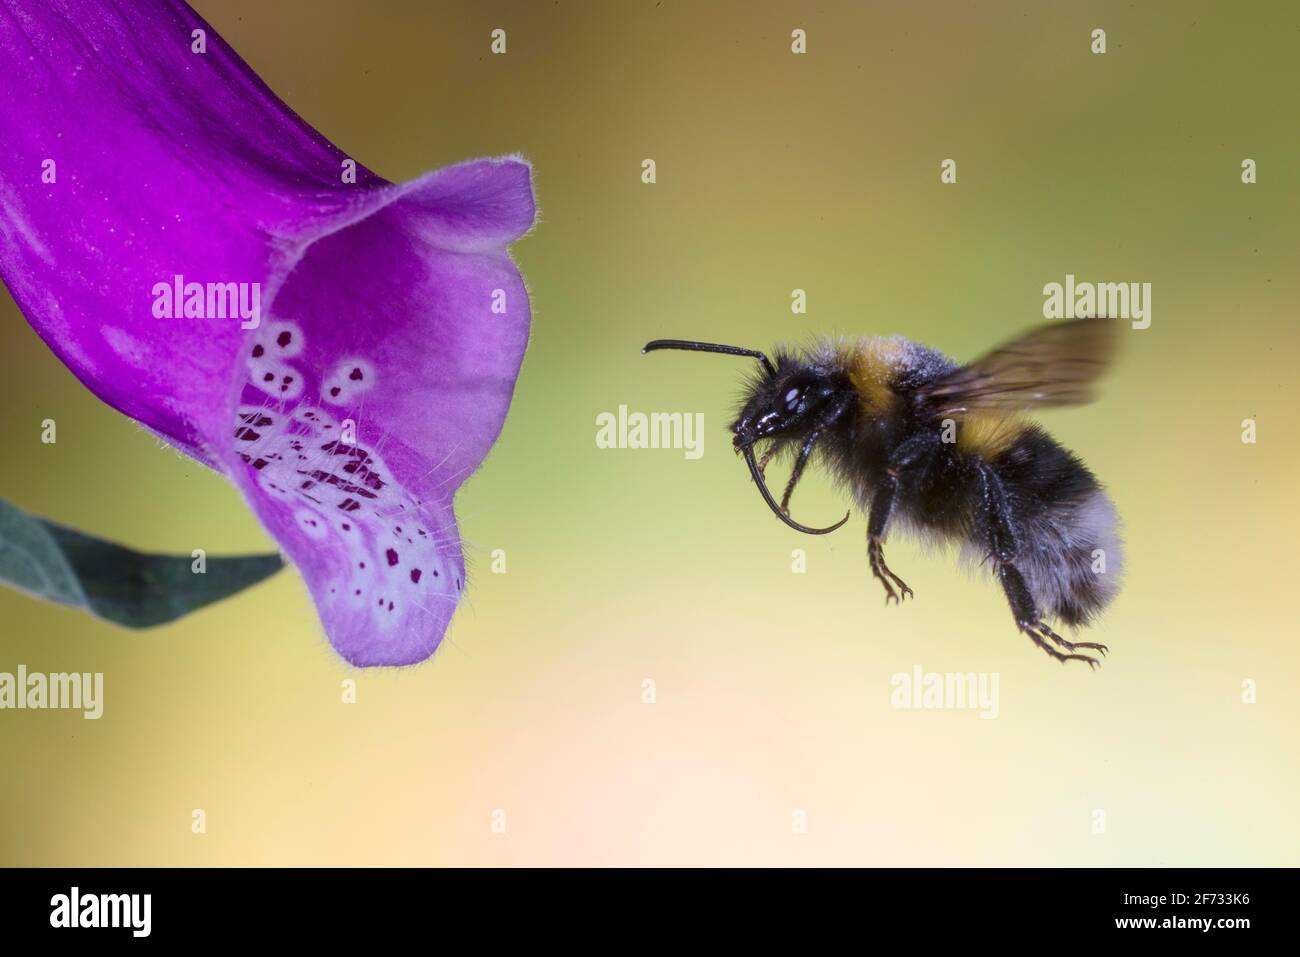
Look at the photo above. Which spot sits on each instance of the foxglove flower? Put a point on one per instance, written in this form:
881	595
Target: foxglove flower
342	348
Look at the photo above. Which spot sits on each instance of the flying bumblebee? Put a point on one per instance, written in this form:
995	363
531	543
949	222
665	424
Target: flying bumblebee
945	450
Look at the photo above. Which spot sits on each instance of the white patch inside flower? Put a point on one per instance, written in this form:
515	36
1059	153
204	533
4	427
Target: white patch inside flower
281	339
276	378
339	492
349	379
312	524
274	489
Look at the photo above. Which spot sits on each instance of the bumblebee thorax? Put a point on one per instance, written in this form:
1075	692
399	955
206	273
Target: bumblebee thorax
874	364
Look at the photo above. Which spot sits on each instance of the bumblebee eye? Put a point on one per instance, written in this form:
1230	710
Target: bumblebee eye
792	399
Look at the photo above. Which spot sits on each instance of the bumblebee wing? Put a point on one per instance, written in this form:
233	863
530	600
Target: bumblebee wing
1051	365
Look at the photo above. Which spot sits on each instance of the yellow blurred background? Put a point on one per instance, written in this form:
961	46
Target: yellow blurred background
775	171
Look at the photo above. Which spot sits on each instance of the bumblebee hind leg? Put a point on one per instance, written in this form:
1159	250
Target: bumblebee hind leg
1027	620
1003	546
1071	645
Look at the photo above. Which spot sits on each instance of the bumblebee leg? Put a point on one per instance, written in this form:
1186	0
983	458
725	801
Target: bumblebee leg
826	419
1022	607
911	456
876	555
882	509
795	473
1003	545
764	459
1070	645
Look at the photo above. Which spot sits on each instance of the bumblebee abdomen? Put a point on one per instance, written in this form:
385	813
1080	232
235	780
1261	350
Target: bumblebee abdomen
989	434
1067	530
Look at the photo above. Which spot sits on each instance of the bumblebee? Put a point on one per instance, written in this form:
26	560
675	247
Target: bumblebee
946	451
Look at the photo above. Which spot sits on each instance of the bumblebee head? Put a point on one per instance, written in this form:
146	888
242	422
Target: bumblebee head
784	401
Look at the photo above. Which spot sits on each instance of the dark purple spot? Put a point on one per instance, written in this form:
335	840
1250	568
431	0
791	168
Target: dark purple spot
347	527
356	375
390	606
283	339
361	564
392	557
335	447
245	434
335	391
257	351
270	376
323	476
435	573
261	464
415	575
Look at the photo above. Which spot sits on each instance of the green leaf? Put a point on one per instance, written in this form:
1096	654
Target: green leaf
130	588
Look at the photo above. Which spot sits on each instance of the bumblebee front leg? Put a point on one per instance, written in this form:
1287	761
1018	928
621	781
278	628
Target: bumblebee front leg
1003	548
800	461
799	464
826	419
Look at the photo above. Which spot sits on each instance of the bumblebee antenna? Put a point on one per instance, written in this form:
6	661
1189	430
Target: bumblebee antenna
748	452
688	345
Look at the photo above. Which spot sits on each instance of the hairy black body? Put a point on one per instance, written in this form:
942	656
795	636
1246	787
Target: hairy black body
944	451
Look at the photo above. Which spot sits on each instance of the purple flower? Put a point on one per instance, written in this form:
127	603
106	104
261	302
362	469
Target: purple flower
343	348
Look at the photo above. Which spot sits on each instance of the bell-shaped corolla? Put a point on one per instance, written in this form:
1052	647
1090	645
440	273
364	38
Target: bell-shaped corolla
344	349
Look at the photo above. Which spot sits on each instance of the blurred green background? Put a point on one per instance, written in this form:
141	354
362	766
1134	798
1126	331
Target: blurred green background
775	172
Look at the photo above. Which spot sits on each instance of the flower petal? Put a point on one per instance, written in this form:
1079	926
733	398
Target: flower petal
381	381
392	321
